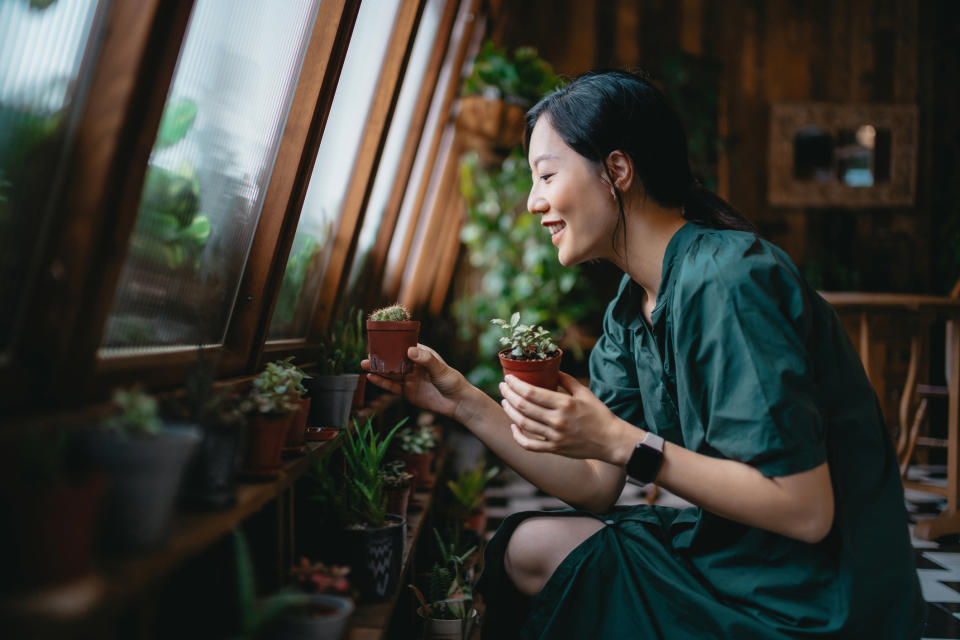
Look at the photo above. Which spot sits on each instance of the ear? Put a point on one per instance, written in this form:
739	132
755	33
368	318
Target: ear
620	166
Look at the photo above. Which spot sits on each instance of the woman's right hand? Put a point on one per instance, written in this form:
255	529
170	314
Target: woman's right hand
432	385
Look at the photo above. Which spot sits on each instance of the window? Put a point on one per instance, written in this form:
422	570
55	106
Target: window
207	174
332	170
46	52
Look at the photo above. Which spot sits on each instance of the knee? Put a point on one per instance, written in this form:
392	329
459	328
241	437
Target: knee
525	561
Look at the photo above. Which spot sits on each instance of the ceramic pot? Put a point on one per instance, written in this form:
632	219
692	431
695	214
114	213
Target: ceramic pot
434	629
375	556
54	529
295	434
211	476
145	474
265	436
398	500
542	373
387	344
331	397
323	618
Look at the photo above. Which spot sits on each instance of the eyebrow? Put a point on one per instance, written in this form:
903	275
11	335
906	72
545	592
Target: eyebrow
543	156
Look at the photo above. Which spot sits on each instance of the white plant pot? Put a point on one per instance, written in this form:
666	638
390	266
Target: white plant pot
434	629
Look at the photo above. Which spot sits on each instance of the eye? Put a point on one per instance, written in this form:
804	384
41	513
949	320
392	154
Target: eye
546	176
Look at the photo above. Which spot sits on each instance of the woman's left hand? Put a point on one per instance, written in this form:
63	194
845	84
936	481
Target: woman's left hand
571	421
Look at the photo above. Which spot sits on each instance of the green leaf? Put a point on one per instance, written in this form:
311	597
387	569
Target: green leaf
178	117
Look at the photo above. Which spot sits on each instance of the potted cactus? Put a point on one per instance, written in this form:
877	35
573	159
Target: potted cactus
468	494
337	378
144	459
417	448
271	404
447	607
529	353
390	332
398	483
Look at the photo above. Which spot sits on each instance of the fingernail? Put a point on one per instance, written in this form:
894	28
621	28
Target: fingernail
508	378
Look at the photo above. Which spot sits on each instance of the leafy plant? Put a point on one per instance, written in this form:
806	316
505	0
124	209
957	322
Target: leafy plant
468	488
320	578
276	390
419	439
449	596
343	348
526	342
363	495
394	313
305	247
178	117
254	615
135	413
522	79
395	475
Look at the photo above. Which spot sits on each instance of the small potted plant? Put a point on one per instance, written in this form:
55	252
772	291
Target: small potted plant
316	577
336	380
468	494
293	443
529	353
397	482
417	448
144	459
211	476
429	419
288	614
271	404
447	607
390	333
373	538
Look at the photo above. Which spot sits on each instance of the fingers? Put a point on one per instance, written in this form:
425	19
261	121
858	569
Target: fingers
427	358
529	426
524	406
529	444
533	393
569	384
390	385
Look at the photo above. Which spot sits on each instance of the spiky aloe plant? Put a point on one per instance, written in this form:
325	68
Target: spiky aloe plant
393	313
469	485
363	451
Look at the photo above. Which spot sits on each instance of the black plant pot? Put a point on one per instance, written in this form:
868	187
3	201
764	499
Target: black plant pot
375	557
211	476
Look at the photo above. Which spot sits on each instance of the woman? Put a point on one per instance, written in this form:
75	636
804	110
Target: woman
717	346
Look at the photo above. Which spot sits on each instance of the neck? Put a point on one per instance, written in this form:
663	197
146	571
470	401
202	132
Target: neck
640	253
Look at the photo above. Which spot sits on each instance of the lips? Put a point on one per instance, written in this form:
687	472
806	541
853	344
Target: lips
555	227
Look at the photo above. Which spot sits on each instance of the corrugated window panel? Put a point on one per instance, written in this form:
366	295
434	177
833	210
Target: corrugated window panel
208	174
396	139
47	49
332	170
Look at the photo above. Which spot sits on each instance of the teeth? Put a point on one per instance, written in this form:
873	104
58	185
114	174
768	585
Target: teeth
556	227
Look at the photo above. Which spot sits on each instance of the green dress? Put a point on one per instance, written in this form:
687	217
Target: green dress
742	360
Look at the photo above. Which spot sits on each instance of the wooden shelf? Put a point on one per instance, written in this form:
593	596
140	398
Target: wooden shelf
118	579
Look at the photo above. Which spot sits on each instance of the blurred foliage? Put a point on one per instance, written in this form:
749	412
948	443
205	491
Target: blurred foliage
517	262
178	117
522	79
305	247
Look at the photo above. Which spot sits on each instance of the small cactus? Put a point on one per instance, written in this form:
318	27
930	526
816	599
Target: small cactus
395	313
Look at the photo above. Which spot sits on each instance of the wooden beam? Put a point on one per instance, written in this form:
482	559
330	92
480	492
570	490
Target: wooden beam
350	223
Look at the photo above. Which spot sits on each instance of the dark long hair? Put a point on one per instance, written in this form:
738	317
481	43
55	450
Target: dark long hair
604	111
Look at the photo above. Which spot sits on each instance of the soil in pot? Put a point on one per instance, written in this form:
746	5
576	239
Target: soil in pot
375	556
542	373
265	436
387	344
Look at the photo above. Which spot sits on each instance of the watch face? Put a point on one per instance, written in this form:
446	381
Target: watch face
644	463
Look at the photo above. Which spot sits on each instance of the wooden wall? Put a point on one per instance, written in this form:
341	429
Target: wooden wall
884	51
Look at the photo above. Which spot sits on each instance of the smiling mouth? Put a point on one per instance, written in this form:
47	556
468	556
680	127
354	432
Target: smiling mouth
556	227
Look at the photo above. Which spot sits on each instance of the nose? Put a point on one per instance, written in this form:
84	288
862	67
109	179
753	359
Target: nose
536	203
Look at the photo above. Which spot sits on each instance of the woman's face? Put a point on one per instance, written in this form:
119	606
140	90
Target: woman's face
573	197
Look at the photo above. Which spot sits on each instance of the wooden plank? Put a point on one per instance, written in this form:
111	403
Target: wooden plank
104	173
378	254
449	250
375	131
466	29
905	301
278	221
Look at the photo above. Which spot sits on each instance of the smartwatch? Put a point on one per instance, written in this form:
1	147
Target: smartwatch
645	461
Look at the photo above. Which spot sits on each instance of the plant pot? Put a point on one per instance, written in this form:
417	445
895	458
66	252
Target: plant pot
331	397
298	423
419	464
54	529
437	629
499	122
324	618
375	556
542	373
265	436
476	520
145	474
358	393
398	500
211	477
319	434
387	344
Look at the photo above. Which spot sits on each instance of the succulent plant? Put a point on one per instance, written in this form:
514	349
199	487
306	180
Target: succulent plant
276	390
419	439
526	342
394	313
395	475
135	413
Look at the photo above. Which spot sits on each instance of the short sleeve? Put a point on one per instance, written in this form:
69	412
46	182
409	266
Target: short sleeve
613	372
743	367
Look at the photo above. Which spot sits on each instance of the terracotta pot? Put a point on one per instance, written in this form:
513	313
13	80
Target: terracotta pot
358	393
297	424
542	373
331	399
398	500
265	436
419	464
476	521
387	344
54	530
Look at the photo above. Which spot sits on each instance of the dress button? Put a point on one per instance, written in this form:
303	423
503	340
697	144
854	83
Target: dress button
608	522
